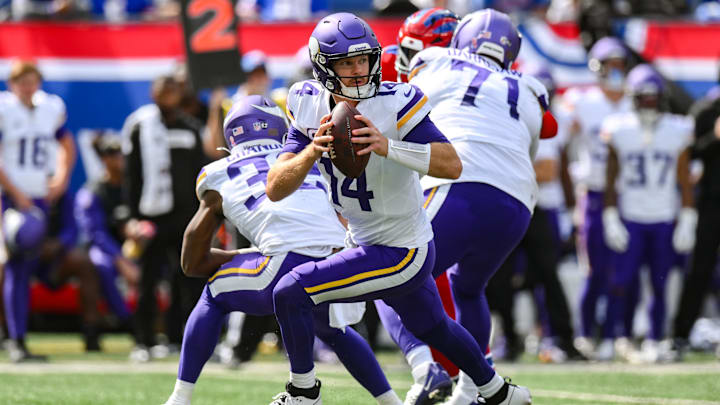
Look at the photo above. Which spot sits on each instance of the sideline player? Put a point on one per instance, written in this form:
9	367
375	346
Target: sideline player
383	207
584	110
648	159
493	116
32	124
286	234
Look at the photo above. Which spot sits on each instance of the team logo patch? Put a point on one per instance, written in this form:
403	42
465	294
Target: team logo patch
260	125
505	41
238	131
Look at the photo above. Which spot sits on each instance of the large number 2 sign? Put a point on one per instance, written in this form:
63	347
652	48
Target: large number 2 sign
216	34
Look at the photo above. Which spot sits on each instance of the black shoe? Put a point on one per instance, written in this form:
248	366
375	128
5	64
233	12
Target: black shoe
572	353
298	396
92	339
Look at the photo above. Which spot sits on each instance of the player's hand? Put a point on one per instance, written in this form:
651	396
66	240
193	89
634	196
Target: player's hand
21	201
684	233
56	189
216	98
717	128
371	136
322	137
616	235
128	270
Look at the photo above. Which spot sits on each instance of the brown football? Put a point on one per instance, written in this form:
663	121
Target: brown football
343	152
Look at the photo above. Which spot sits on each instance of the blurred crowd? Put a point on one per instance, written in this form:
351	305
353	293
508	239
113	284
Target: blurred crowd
119	238
589	11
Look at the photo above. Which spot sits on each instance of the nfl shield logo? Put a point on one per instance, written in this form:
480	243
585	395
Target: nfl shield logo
257	125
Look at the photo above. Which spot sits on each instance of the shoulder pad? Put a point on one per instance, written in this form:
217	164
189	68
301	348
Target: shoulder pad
411	106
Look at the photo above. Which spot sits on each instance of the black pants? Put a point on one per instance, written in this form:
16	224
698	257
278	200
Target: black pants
703	262
541	246
160	255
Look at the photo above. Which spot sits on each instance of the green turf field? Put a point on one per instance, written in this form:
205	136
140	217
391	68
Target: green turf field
72	377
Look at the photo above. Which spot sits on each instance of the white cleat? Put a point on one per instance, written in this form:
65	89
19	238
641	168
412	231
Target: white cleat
605	351
509	394
625	349
298	396
585	346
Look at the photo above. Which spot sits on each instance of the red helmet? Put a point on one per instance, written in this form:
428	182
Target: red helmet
424	28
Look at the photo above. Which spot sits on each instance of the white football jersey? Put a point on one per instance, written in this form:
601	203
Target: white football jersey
647	182
589	107
28	141
384	205
550	194
303	223
491	115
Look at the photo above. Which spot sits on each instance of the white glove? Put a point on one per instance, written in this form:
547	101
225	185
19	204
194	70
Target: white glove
684	234
616	235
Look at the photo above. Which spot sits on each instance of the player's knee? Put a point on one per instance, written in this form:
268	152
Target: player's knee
288	292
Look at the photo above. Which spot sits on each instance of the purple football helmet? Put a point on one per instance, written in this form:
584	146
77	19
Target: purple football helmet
646	87
605	49
489	33
344	35
253	118
24	230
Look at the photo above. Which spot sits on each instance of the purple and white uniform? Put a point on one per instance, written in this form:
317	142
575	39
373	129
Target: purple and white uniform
648	202
28	140
588	108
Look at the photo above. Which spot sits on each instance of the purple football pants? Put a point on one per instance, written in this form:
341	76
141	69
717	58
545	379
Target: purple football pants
601	260
245	284
107	274
16	287
649	244
476	226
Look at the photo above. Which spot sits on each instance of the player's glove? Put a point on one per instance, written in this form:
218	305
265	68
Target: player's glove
616	235
684	234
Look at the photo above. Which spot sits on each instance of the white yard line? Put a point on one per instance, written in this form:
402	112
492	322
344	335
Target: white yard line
617	399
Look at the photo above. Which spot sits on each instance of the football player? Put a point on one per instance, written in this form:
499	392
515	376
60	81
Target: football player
383	206
494	117
648	161
286	235
584	110
34	137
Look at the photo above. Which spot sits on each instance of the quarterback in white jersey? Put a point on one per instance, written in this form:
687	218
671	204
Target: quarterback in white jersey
35	172
299	229
383	207
648	162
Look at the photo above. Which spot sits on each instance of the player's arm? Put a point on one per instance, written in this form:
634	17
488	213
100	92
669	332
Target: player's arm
565	178
545	170
611	173
197	258
684	233
424	149
133	172
58	184
683	179
213	136
21	201
298	156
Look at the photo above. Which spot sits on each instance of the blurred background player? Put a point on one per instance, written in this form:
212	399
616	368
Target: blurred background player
285	234
584	111
102	216
649	158
32	126
541	246
698	281
163	151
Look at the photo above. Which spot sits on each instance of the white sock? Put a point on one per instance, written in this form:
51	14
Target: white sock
182	394
388	398
419	360
304	380
466	385
492	387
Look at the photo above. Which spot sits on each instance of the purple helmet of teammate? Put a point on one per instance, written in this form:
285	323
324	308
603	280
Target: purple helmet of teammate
254	118
23	231
605	49
540	72
646	87
489	33
344	35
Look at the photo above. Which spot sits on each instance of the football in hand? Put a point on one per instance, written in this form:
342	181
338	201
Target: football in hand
343	152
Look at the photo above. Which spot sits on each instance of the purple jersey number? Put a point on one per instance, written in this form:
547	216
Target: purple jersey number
637	163
255	170
360	193
480	76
